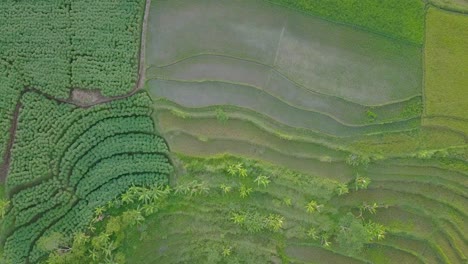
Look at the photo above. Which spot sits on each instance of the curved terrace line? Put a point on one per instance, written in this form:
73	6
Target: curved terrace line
334	116
202	54
246	115
85	153
394	185
313	156
410	208
240	129
269	106
269	125
435	256
18	187
449	185
402	251
335	172
449	210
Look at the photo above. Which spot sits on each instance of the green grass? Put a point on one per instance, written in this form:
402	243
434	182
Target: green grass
193	226
403	19
446	61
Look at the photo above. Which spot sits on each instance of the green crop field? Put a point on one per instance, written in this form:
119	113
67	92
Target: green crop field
233	131
446	62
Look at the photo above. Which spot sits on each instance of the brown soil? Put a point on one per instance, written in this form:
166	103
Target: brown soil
7	155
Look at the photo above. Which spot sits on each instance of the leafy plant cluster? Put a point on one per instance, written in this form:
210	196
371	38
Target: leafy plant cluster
351	230
402	19
100	241
72	160
57	45
255	222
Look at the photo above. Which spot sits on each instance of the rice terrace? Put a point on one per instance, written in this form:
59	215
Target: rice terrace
233	131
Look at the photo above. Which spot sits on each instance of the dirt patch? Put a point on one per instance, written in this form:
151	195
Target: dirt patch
7	155
86	97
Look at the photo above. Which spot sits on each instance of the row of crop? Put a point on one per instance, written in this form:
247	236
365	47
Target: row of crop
81	214
92	159
97	119
25	216
135	140
92	143
62	44
118	165
105	48
45	138
135	102
34	36
17	246
103	149
124	166
31	152
36	194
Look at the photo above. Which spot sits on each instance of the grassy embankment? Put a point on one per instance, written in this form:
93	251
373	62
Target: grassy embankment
420	228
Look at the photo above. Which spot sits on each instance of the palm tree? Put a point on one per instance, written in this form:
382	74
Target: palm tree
242	172
99	210
127	198
93	254
159	192
239	166
91	227
108	249
361	182
80	238
202	188
287	201
138	217
371	208
262	180
375	230
238	218
149	209
182	189
232	170
313	206
145	196
244	191
275	222
325	241
342	189
226	189
135	190
312	232
227	251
